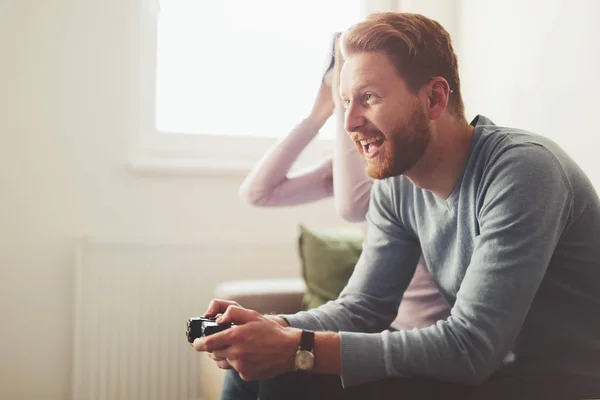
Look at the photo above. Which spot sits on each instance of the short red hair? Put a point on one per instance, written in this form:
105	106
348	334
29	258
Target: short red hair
419	47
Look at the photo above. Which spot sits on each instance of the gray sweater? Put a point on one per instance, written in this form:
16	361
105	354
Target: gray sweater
515	250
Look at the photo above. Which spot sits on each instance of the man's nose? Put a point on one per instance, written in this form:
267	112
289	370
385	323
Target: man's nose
354	118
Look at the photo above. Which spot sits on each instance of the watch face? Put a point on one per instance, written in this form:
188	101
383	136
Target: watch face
304	360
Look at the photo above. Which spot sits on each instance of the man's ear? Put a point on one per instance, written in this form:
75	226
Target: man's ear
438	92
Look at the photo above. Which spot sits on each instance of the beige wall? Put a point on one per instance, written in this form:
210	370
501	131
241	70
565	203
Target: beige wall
64	123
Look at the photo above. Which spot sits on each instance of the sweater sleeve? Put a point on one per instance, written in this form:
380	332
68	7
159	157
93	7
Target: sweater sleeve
351	185
370	300
517	238
270	182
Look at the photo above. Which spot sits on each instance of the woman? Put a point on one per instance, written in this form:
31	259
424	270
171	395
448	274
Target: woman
343	177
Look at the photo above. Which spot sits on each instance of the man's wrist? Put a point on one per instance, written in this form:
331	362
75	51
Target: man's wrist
279	319
295	335
327	353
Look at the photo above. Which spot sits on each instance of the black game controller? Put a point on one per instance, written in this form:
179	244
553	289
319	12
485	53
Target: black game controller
201	326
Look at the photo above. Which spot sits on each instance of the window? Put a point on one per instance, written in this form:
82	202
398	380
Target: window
222	80
259	62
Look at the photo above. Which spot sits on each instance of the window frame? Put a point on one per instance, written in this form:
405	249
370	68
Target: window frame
150	149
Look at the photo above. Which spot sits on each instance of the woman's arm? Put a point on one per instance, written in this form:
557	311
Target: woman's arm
270	184
351	185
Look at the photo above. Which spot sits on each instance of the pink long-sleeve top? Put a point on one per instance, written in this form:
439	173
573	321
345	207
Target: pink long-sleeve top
343	176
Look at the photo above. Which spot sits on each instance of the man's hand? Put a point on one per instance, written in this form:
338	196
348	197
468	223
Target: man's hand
218	306
258	347
215	309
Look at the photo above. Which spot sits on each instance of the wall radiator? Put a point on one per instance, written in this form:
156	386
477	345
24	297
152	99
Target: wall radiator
132	301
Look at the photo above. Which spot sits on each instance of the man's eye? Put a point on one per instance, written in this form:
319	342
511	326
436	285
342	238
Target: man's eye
345	103
369	96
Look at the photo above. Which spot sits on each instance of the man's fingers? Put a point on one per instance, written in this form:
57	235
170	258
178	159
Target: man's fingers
217	341
212	309
199	344
223	364
215	357
223	339
218	306
238	315
218	355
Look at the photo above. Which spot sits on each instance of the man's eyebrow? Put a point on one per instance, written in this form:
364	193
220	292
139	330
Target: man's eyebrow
363	86
360	87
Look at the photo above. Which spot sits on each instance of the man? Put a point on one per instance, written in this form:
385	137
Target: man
509	227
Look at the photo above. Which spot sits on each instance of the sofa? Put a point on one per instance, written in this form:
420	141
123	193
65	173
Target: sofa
327	256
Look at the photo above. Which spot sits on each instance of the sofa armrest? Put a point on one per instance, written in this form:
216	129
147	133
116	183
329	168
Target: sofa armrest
280	296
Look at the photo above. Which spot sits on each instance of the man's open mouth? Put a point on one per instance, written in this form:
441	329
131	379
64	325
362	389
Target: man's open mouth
371	146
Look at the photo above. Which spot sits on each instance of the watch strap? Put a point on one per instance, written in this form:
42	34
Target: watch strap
307	340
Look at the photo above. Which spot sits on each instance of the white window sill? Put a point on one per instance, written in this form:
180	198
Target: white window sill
144	163
157	152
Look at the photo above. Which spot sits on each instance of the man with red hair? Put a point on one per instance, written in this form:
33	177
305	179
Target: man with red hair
508	225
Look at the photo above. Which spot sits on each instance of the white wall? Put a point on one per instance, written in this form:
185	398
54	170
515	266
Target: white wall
533	64
530	64
64	79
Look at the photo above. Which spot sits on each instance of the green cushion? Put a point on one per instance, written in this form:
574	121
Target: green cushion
328	259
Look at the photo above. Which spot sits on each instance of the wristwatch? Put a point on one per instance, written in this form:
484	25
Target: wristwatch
304	357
